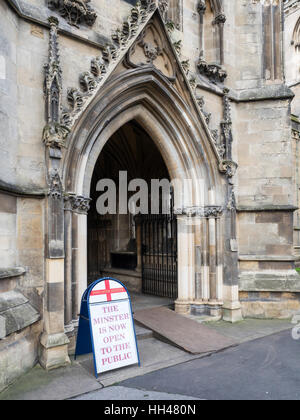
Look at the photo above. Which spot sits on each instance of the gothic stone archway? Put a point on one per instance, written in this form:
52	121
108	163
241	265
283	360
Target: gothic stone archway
140	250
145	96
160	99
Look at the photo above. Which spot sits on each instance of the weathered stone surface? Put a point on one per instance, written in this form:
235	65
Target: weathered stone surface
274	281
11	272
264	305
16	313
2	327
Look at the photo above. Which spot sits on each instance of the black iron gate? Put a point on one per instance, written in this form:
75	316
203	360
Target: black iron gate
159	255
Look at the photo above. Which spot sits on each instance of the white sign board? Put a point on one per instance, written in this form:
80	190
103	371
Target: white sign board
112	328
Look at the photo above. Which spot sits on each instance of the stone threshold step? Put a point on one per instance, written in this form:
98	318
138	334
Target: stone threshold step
142	333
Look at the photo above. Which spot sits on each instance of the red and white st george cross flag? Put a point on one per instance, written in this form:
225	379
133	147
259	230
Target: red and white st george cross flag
108	291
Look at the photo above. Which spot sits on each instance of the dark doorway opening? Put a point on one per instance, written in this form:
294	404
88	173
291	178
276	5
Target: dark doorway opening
139	250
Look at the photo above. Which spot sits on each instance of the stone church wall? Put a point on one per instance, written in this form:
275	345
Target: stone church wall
262	147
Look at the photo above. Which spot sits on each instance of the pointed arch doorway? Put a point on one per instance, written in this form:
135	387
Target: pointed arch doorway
141	249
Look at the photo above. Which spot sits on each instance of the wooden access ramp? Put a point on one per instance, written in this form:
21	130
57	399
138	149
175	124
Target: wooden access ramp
181	331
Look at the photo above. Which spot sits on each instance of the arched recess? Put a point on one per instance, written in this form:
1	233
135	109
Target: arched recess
212	20
296	36
149	98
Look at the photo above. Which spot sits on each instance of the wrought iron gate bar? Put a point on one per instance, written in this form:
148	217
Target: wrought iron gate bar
159	255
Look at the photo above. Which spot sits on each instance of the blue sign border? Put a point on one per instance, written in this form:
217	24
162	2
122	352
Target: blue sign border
85	340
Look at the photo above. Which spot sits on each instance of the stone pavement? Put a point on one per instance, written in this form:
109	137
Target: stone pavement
263	369
124	393
78	379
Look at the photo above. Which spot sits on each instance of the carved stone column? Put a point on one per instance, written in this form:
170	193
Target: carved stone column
220	21
201	8
232	307
54	342
205	260
212	213
186	263
200	260
80	207
139	247
68	261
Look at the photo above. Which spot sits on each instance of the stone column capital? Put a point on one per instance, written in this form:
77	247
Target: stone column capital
77	203
201	7
220	19
201	211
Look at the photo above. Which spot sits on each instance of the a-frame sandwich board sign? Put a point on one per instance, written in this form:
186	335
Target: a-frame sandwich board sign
106	326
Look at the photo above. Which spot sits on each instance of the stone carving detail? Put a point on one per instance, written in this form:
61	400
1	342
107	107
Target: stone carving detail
185	64
54	134
55	185
77	203
178	46
221	142
228	167
100	66
201	7
205	211
219	146
215	133
53	83
151	45
231	205
151	51
163	6
220	19
74	11
226	124
201	104
213	211
213	72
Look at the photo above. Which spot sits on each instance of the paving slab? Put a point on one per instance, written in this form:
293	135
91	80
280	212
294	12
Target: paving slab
122	393
249	329
79	378
58	384
154	355
184	332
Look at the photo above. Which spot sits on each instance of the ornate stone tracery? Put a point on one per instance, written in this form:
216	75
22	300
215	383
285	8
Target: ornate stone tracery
54	134
101	66
55	185
151	49
53	82
148	49
74	11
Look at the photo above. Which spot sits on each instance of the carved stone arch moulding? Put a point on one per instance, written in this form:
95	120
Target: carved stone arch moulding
145	42
102	66
146	96
152	49
296	36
